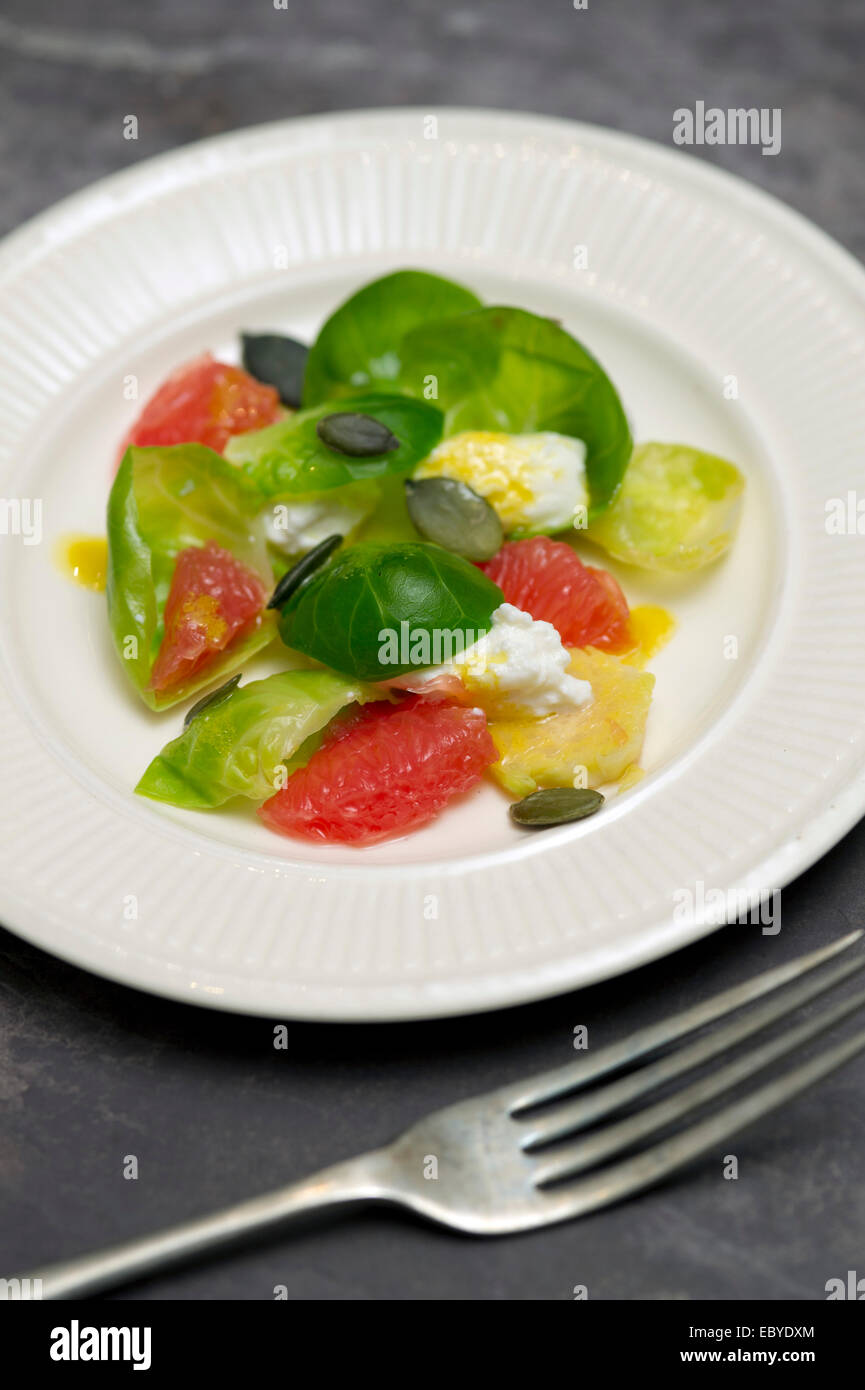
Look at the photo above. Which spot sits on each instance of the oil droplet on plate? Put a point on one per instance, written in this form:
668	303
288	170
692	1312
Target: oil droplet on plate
83	559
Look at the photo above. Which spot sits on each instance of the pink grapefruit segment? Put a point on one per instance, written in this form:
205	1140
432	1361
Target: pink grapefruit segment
385	770
204	402
549	580
212	598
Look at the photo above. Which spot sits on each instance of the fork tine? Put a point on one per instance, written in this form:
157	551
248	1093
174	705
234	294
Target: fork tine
613	1139
610	1185
547	1085
582	1110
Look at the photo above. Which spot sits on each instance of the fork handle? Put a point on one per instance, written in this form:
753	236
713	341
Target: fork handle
361	1179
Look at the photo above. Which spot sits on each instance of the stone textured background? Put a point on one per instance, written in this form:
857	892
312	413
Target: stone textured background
189	68
90	1071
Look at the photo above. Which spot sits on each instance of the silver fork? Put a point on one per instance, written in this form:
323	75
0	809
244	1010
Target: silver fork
494	1164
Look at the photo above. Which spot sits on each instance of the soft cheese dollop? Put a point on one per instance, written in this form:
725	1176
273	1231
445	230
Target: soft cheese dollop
298	525
518	667
535	482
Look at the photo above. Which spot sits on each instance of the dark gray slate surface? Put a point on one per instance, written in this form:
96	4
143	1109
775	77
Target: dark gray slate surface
91	1072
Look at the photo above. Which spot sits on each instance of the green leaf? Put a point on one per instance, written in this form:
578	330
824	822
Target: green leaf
507	369
358	347
165	499
245	743
678	509
377	611
390	522
290	459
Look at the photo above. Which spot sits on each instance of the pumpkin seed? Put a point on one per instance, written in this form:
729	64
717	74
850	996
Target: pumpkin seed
293	578
555	806
454	516
215	697
277	360
359	436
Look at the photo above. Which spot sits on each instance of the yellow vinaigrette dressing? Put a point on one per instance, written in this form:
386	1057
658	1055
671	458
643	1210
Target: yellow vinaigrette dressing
83	559
650	629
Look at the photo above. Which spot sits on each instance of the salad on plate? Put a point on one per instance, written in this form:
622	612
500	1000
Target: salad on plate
399	513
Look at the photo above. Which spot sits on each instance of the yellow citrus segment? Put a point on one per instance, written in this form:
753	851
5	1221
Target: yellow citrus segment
589	746
630	777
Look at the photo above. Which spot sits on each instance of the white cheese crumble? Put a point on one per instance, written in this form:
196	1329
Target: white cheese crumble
520	663
298	526
558	479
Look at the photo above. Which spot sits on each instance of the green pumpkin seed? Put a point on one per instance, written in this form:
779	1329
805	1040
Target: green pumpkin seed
359	436
454	516
293	578
555	806
215	697
277	360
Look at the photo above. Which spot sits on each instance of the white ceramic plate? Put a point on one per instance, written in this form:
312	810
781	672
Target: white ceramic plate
754	753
